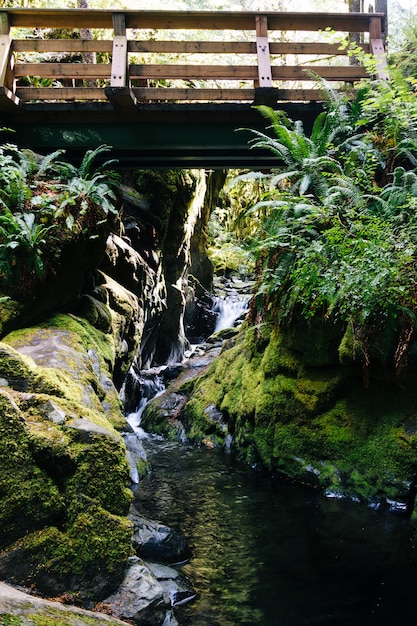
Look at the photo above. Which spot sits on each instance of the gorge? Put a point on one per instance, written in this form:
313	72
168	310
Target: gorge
126	295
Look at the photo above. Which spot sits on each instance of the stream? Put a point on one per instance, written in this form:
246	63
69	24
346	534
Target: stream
265	552
270	553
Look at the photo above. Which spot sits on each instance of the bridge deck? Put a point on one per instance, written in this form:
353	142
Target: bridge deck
165	86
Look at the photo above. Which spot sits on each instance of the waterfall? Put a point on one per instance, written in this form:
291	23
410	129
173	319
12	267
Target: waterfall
149	383
229	310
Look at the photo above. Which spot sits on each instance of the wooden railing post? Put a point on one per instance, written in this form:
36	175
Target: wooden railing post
119	93
264	91
377	47
119	63
262	49
5	43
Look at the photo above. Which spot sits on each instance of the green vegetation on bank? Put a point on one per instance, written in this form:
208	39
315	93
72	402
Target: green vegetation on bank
320	386
337	229
45	204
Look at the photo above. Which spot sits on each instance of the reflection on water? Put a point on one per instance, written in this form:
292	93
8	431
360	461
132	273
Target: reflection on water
268	553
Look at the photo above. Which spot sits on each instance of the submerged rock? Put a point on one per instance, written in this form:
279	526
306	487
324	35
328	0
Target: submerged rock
155	541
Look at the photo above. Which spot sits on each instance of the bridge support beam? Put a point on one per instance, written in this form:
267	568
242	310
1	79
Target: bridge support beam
119	92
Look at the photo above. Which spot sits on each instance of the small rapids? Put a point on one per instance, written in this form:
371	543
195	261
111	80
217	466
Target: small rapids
151	384
266	552
228	310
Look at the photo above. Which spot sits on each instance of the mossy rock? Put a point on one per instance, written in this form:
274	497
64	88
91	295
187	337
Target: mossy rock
313	424
63	466
29	497
88	560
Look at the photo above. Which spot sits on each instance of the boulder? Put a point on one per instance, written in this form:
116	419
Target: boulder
140	598
155	541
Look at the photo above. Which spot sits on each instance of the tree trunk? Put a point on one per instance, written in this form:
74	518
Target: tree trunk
355	6
87	34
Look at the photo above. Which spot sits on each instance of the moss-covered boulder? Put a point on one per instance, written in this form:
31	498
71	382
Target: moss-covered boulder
303	416
64	478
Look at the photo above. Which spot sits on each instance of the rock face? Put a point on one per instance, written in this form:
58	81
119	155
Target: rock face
67	455
63	471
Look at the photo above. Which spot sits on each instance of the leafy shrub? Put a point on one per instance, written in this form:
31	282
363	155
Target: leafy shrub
338	238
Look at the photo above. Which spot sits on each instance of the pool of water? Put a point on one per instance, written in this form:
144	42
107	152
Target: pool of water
265	552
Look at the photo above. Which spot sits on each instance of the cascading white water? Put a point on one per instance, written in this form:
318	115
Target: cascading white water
151	385
229	310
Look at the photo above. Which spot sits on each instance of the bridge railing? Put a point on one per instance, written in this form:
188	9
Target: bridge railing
146	56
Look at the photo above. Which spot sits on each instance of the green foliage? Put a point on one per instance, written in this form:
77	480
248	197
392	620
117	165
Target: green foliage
405	59
22	243
338	236
45	202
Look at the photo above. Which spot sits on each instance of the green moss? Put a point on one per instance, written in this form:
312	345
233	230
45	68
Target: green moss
315	424
98	537
97	544
230	257
47	615
71	364
276	359
169	194
18	371
6	619
64	487
102	473
29	497
86	334
142	466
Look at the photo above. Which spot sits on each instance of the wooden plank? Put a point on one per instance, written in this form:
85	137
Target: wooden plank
60	93
290	47
161	93
63	70
264	78
119	58
176	47
232	72
347	73
247	72
61	45
193	47
218	20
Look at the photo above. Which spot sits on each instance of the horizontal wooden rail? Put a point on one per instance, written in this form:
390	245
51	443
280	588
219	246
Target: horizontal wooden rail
189	20
269	54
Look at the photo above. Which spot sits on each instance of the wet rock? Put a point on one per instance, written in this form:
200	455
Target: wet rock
50	411
175	584
87	430
136	456
155	541
140	597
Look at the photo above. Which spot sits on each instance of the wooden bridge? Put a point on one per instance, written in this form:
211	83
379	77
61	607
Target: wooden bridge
170	88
